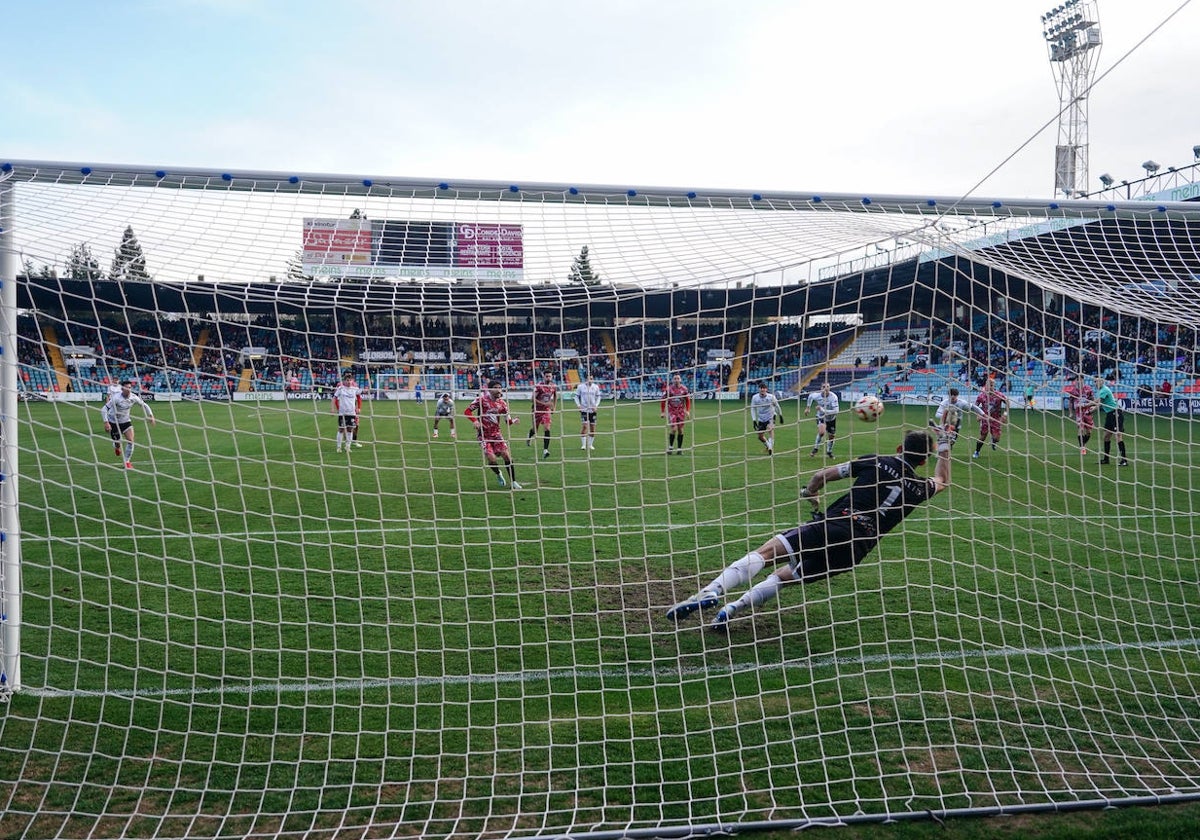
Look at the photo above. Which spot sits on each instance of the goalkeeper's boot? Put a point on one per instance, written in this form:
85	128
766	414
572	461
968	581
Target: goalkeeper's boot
435	434
454	433
705	600
500	480
116	449
129	465
546	453
517	486
357	445
1124	462
720	624
1104	460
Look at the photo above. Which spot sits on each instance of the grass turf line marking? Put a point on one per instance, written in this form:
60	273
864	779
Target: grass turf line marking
628	675
542	526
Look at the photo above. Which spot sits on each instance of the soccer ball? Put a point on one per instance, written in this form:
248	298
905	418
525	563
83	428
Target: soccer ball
869	408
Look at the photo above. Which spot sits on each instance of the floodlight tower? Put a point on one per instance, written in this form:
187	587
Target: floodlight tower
1072	33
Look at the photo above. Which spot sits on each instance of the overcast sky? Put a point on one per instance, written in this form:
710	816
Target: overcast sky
885	96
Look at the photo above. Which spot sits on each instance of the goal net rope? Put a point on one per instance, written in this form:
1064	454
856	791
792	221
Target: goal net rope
254	617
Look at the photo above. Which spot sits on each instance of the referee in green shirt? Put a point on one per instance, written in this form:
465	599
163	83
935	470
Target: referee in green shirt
1114	421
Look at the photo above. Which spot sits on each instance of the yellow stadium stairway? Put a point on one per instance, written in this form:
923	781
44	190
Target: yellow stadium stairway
611	346
414	377
54	352
735	370
573	377
246	380
198	350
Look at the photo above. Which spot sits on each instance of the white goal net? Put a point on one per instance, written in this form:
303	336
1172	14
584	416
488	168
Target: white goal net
287	592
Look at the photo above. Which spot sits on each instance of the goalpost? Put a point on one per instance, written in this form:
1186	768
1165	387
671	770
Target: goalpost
250	633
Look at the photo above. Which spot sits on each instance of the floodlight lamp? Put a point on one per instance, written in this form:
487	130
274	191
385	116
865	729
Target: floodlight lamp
1106	179
1150	166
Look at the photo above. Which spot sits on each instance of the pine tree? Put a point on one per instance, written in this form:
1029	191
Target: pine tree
295	268
129	263
81	265
581	270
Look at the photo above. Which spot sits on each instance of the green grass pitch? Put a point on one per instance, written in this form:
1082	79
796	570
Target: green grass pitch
250	625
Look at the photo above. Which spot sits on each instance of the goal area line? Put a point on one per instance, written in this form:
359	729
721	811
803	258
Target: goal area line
623	676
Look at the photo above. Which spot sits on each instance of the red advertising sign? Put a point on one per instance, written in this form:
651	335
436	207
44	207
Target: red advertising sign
337	241
488	246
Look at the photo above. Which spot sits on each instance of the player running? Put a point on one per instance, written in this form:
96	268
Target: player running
764	408
545	397
827	410
485	413
110	425
949	414
992	408
676	407
116	414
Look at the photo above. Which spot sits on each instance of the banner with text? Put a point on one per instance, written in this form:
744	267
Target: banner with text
396	248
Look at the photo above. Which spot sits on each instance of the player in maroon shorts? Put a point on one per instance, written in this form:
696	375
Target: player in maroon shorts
992	408
676	406
1082	403
545	396
485	413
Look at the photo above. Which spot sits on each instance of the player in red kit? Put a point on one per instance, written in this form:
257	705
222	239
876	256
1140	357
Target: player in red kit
1081	401
545	396
992	408
676	406
485	413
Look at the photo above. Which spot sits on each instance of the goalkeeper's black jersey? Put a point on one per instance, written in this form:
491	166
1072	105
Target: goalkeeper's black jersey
885	491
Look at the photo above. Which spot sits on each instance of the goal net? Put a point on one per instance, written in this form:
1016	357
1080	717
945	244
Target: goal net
284	609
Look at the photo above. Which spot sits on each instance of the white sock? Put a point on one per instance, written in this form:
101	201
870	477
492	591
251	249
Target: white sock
770	443
760	594
739	573
128	450
591	440
817	442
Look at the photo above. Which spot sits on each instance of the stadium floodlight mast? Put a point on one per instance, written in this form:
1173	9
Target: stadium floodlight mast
1072	33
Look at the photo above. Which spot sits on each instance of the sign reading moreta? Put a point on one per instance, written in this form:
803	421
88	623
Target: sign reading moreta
392	248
